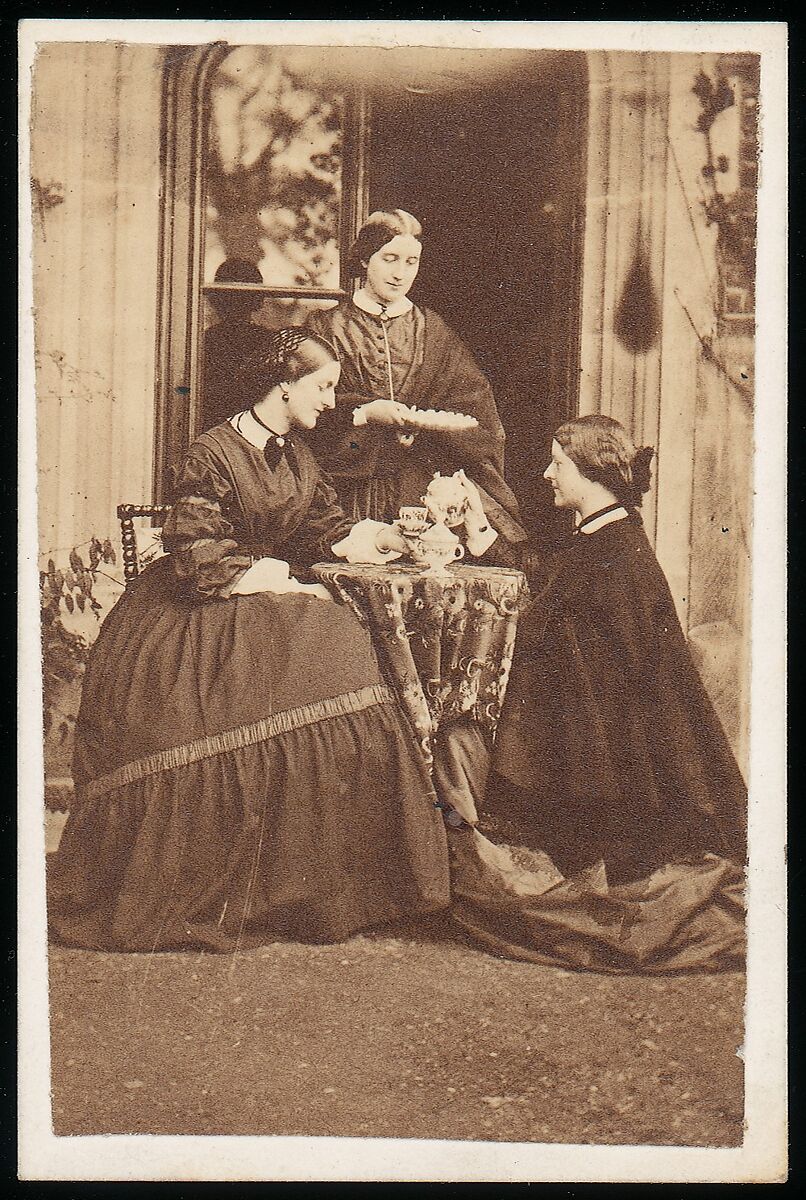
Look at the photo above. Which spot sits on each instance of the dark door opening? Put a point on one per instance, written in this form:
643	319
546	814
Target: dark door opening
494	170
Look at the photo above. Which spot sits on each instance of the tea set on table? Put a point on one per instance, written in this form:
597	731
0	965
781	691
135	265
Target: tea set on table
427	528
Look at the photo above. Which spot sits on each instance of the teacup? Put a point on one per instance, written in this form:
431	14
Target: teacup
412	518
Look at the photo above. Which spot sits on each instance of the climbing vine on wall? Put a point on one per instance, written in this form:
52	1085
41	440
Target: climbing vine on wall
735	84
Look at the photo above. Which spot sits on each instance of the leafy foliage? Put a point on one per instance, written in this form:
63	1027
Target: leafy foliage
64	653
734	216
274	169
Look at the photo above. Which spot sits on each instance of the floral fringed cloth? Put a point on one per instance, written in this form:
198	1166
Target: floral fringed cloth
445	642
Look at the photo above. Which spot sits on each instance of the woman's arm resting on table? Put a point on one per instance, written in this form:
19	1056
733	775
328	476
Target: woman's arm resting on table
370	542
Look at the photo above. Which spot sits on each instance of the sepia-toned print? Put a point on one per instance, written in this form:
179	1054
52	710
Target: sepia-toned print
396	414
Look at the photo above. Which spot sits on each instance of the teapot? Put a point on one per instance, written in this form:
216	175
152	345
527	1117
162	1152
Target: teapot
446	499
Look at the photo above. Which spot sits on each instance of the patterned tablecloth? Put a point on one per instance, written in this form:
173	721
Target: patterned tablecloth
445	641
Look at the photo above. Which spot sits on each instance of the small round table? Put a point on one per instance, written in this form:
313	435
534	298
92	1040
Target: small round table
444	640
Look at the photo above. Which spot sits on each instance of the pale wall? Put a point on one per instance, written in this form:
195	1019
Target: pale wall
645	189
95	126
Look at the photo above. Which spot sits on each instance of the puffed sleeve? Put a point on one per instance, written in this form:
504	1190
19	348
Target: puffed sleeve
197	534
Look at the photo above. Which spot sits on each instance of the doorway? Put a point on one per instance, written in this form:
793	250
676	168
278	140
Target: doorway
493	165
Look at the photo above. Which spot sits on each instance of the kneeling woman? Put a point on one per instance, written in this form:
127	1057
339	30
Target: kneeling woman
242	771
608	734
610	762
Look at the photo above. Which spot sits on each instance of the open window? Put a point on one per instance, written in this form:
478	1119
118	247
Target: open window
263	166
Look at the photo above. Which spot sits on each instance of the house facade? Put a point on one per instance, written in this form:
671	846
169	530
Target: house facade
588	230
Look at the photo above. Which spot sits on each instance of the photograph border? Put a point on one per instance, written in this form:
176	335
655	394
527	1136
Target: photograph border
763	1155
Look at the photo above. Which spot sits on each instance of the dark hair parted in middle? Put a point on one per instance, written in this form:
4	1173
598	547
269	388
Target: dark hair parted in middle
283	356
603	452
378	229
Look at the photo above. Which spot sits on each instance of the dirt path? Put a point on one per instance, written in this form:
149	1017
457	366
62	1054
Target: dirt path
405	1034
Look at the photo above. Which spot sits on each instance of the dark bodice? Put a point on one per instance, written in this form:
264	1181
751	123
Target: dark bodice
232	506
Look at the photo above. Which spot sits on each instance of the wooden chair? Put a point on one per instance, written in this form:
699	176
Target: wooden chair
127	515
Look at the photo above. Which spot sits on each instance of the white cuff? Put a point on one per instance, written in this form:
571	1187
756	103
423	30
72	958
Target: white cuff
359	545
479	541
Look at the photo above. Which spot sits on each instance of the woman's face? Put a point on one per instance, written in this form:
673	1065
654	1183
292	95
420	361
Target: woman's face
566	479
311	394
392	270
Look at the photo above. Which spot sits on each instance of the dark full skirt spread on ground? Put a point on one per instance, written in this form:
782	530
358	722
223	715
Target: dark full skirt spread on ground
244	773
233	787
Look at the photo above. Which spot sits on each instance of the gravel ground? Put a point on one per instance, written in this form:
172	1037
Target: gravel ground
406	1033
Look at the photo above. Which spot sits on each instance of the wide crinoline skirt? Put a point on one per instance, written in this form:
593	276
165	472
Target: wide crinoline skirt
242	773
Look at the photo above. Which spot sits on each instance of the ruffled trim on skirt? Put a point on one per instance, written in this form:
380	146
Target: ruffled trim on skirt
235	739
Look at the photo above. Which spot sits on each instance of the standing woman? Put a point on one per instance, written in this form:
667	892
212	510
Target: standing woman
609	748
394	354
242	772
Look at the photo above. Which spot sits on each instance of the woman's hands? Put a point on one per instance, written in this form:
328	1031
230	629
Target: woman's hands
273	575
475	516
388	539
382	412
386	412
265	575
371	542
479	534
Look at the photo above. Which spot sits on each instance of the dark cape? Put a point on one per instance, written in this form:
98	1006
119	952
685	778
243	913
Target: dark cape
372	473
607	728
613	781
242	770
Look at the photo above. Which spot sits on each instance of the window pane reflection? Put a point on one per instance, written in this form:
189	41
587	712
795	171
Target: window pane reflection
273	173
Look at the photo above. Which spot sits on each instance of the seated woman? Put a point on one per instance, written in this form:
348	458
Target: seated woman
609	758
242	771
395	354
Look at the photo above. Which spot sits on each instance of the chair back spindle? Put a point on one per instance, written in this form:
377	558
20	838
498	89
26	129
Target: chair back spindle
127	515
